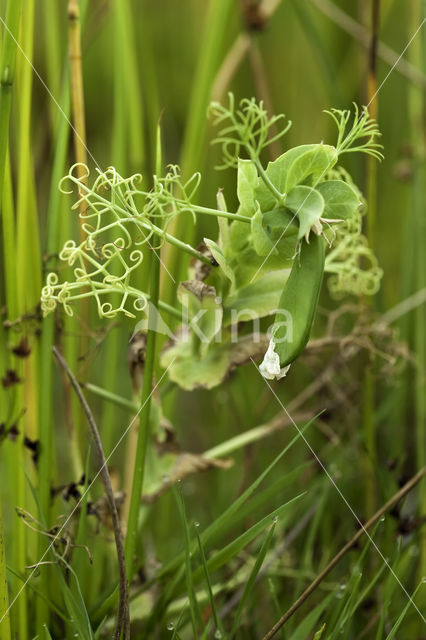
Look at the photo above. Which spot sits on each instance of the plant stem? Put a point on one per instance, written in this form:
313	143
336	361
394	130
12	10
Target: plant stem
369	386
280	197
218	213
144	418
77	93
46	436
416	106
215	26
7	76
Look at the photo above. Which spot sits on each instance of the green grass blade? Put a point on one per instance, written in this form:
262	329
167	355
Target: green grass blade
196	618
217	622
230	550
303	630
252	577
400	619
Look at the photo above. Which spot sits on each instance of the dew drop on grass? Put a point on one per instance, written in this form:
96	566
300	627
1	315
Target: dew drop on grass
196	524
170	626
218	633
382	519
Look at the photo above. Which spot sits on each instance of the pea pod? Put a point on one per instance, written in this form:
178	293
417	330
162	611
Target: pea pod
297	307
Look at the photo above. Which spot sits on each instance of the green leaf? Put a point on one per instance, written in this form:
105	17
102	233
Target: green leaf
314	163
308	204
341	201
190	371
260	297
246	183
203	307
277	172
262	242
221	259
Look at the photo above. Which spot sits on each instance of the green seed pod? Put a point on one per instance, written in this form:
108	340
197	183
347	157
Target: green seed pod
297	307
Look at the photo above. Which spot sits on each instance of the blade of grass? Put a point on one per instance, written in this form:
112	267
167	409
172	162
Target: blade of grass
309	621
336	559
217	622
196	619
252	577
212	531
400	619
230	550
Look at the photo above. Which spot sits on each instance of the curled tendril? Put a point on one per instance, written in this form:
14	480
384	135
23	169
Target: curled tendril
69	252
352	264
245	128
141	303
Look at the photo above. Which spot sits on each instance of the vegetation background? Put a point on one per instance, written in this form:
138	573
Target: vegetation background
145	60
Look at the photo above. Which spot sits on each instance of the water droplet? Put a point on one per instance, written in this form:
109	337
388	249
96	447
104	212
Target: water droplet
382	519
170	626
218	633
196	524
166	478
275	520
342	587
424	579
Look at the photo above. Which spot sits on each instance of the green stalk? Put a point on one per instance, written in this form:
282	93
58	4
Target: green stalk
128	139
219	213
209	59
4	594
216	23
127	154
7	76
28	283
144	420
45	463
416	105
369	387
54	56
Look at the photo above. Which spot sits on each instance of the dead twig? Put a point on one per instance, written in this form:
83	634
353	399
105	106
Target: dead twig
123	616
